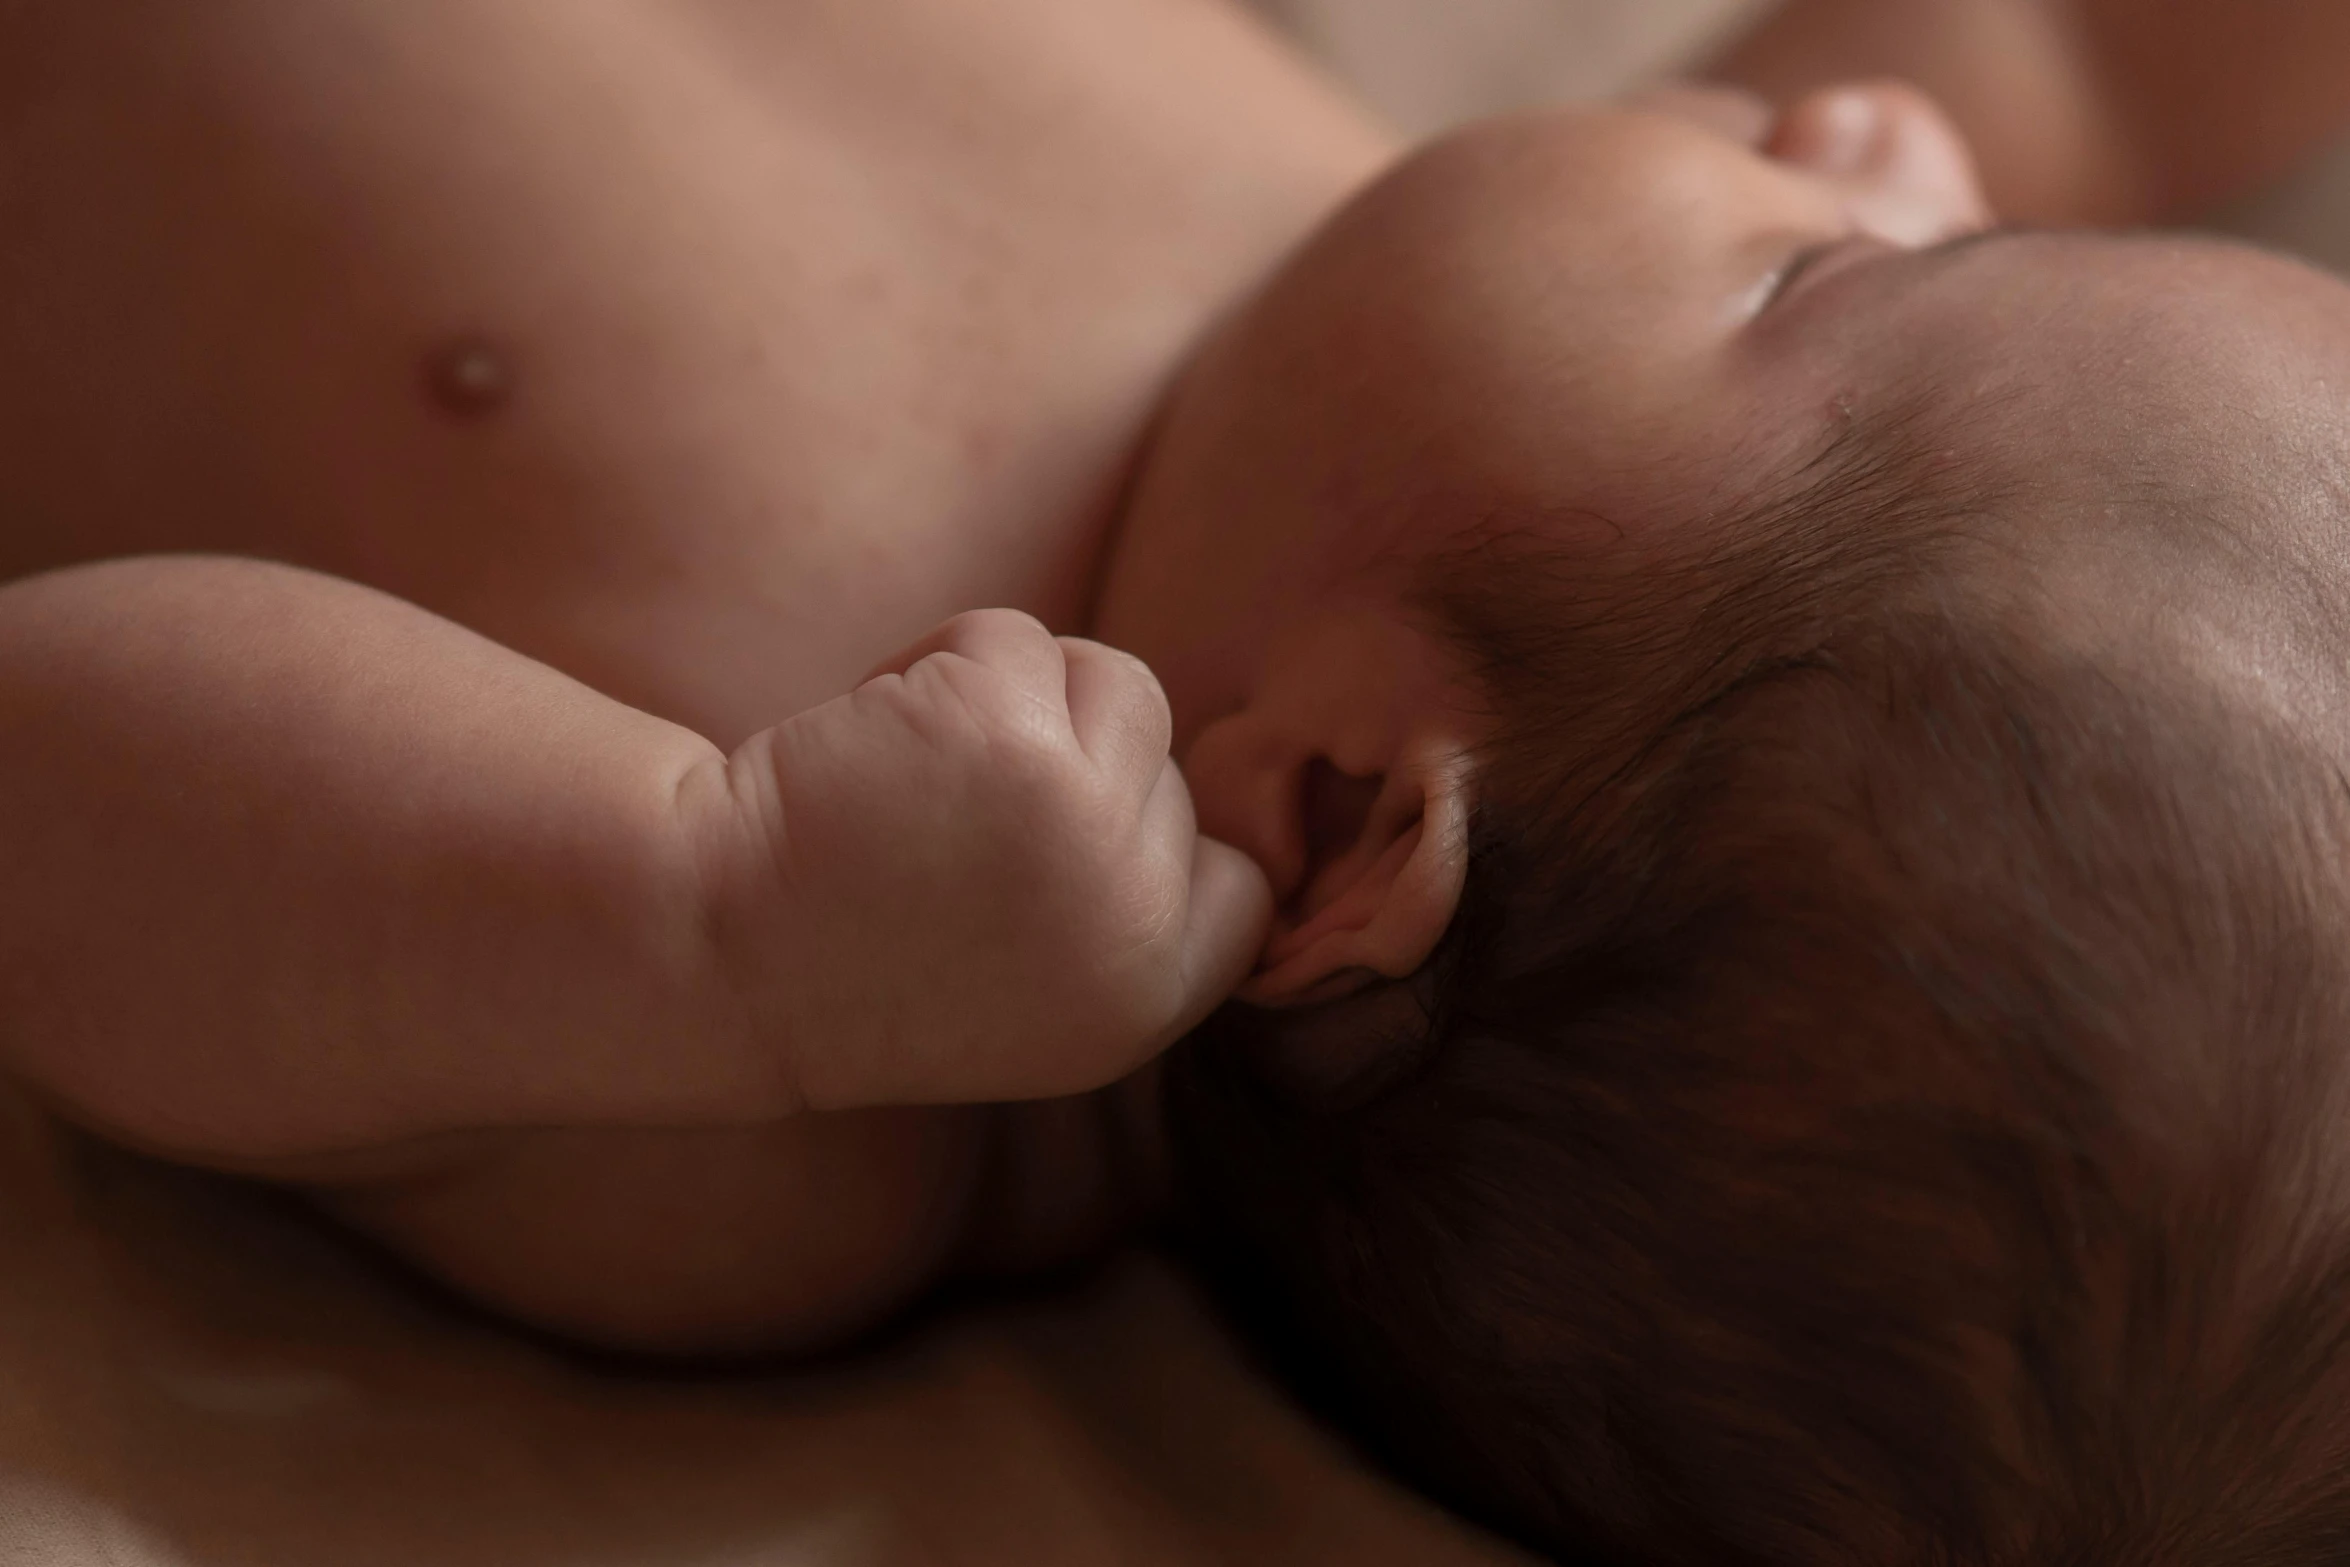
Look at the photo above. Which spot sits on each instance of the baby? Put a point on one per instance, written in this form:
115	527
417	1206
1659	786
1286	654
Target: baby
1765	761
1877	1095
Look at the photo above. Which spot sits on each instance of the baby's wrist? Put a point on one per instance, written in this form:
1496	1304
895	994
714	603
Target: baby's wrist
752	999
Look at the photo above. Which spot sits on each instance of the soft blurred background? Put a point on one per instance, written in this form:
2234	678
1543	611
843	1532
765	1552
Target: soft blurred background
1426	66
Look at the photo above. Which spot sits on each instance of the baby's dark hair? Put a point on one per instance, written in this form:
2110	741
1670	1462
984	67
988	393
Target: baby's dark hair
1873	1103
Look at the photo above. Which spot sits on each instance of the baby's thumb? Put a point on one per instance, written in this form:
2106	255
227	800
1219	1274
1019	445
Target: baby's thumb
1230	911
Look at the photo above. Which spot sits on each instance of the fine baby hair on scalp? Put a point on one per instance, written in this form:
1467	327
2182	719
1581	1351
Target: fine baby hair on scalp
1872	1104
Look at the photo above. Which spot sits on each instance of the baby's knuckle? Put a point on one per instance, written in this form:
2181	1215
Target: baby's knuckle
994	707
955	675
1143	710
991	633
982	621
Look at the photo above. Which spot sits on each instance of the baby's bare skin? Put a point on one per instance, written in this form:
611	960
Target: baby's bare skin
661	368
703	353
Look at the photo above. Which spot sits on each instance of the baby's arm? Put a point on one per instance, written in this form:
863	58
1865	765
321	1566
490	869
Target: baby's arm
292	867
2097	111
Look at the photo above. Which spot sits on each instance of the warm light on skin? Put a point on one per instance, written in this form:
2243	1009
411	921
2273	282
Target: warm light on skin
1619	326
1585	272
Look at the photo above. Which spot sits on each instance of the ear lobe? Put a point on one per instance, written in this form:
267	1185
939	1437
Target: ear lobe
1377	907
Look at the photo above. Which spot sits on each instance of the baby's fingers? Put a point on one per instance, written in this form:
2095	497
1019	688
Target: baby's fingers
1230	911
1117	712
1228	908
1014	645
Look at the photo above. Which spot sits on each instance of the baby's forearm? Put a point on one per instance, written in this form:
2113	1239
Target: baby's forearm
289	866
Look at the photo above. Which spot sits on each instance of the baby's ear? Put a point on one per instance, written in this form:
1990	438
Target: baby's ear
1384	858
1346	773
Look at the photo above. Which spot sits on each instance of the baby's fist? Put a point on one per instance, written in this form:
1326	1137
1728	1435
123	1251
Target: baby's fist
983	880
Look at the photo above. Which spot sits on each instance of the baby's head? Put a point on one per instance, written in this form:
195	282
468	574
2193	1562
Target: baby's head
1809	1013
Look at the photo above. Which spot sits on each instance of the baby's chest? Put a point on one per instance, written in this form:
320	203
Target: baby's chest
708	350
